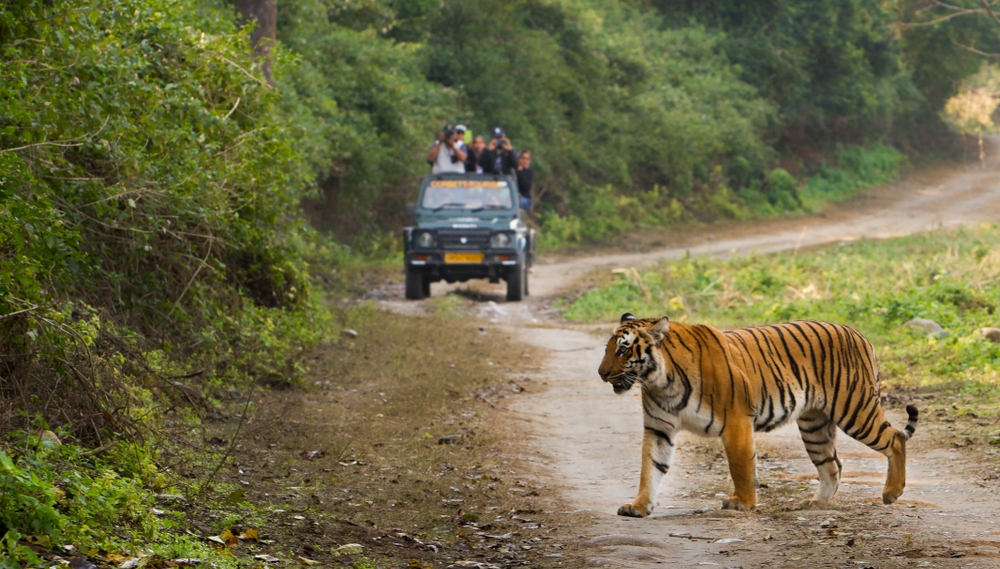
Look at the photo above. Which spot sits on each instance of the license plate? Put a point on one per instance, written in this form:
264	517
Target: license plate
463	257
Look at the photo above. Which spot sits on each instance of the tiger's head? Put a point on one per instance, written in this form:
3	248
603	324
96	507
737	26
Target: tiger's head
632	354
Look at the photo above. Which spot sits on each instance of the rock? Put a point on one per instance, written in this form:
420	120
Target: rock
50	439
991	334
931	327
349	332
447	440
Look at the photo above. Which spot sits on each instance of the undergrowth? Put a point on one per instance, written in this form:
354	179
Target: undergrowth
601	214
875	286
152	253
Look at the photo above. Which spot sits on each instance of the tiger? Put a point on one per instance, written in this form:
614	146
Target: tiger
730	384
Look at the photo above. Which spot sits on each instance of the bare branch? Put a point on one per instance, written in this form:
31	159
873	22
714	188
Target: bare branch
989	10
974	50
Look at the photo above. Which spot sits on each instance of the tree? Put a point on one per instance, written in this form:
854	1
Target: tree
970	112
265	13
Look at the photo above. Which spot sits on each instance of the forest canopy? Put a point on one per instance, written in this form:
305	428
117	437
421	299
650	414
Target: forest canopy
680	108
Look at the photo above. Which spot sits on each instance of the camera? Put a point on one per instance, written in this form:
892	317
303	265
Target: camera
448	132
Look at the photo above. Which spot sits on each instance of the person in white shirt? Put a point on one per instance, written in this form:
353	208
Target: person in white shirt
447	155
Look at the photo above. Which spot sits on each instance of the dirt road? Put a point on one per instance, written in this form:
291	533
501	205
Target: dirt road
588	438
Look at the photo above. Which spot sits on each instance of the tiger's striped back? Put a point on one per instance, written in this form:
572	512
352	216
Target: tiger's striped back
812	366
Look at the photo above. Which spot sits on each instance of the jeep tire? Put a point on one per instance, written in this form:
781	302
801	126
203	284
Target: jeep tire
414	285
517	283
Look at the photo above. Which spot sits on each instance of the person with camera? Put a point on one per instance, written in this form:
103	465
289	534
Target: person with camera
499	157
447	154
525	178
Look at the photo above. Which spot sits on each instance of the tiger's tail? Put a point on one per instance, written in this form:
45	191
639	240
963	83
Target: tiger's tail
911	425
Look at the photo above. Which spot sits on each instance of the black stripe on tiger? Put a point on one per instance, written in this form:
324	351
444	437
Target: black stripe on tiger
911	424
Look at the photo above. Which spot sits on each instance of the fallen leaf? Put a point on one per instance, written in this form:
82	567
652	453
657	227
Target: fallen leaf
311	454
238	496
266	558
183	562
250	534
414	564
306	560
228	538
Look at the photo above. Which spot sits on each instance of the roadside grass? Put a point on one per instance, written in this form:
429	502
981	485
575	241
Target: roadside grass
950	277
606	215
392	442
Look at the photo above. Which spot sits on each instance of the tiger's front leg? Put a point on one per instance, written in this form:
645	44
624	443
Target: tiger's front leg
738	440
657	452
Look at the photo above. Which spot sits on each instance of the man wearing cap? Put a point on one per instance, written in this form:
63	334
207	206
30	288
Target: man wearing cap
446	155
499	156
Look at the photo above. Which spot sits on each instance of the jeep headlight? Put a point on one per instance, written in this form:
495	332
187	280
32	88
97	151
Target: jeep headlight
500	240
425	239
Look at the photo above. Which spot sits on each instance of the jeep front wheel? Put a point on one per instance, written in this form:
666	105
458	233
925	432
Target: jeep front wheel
414	285
516	285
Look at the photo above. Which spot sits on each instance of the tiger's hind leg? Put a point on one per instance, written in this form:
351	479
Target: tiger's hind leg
819	434
870	427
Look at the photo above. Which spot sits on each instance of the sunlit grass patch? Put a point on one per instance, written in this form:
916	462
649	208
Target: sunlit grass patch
875	286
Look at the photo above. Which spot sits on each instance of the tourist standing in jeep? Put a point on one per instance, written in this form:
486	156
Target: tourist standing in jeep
447	154
499	157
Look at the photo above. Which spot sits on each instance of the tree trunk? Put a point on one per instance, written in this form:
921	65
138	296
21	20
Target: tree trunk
982	153
265	12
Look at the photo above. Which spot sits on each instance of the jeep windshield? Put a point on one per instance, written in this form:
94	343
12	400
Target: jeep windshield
474	195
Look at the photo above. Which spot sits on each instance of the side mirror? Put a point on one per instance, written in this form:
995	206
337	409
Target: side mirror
411	209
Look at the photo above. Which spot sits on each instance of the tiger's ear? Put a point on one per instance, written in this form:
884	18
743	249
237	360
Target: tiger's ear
626	317
660	329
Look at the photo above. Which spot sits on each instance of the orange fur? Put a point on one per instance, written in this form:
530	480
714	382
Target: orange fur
730	384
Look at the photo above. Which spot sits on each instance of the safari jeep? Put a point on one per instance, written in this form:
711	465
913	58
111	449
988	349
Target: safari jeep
468	226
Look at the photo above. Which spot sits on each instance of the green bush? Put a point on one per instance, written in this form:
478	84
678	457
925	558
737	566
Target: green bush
855	168
150	229
54	496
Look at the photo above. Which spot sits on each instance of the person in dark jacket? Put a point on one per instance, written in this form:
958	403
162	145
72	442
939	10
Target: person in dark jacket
498	157
472	156
525	178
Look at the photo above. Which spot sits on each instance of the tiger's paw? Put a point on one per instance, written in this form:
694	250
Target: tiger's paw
815	503
890	496
633	511
734	503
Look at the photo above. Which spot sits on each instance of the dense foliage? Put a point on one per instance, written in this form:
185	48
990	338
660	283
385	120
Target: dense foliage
146	184
149	234
684	107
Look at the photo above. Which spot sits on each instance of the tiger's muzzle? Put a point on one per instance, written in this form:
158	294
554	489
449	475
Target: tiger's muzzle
621	382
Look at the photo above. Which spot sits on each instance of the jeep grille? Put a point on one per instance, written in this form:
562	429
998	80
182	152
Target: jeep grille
474	238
